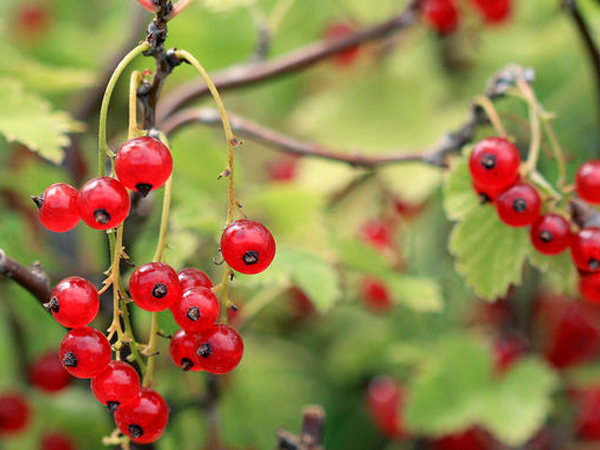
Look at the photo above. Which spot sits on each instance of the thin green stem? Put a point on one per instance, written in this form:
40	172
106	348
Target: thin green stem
164	222
490	110
534	118
151	349
559	154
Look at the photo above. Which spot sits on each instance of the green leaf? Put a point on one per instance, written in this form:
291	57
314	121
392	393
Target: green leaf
459	197
29	119
357	255
417	293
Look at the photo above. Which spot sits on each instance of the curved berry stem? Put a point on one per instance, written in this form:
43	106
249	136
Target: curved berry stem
534	117
134	83
490	110
559	154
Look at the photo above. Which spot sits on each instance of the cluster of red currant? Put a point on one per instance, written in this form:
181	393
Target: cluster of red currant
444	15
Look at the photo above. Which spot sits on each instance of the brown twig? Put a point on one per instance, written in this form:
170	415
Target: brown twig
33	278
311	434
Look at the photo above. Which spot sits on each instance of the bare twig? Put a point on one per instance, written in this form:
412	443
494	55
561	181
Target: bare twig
33	278
311	435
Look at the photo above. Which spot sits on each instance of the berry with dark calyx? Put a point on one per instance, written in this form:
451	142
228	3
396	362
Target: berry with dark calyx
196	310
494	163
85	352
57	441
48	374
519	206
247	246
375	294
103	203
585	249
551	234
587	182
193	278
377	234
117	386
589	287
441	15
74	302
488	194
494	11
154	286
15	413
57	207
385	400
144	420
143	164
340	30
219	349
182	350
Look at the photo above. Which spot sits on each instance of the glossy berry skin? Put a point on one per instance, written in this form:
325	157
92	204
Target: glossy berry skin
494	163
143	164
219	349
377	234
182	350
145	419
441	15
585	249
247	246
375	294
85	352
587	182
519	206
193	278
384	402
74	302
103	203
154	286
488	194
589	287
340	30
196	310
48	374
57	207
57	441
494	11
117	386
15	414
551	234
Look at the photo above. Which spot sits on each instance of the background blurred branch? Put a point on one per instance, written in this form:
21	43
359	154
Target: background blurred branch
33	278
311	434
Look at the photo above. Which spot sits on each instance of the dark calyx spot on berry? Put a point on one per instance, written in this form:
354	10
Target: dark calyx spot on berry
484	198
546	236
70	360
193	313
205	350
520	205
250	257
135	431
52	305
112	406
143	188
101	216
593	264
186	364
488	161
39	200
159	290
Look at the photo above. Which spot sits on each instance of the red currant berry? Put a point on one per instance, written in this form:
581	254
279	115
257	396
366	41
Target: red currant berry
441	15
32	20
375	294
74	302
283	169
196	310
488	194
377	234
182	350
117	386
519	206
247	246
219	349
48	374
494	163
340	30
302	306
587	181
472	439
494	11
508	350
154	286
588	415
193	278
145	419
384	402
57	207
589	287
585	249
551	234
15	413
57	441
143	164
103	203
85	352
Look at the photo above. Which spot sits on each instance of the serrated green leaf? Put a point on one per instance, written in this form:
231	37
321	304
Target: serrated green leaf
29	119
459	197
416	293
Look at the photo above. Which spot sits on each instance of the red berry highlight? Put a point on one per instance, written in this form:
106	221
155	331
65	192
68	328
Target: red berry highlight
385	399
375	294
377	234
15	414
551	234
85	352
519	206
57	441
74	302
144	420
183	350
193	278
196	310
494	163
587	182
48	374
117	386
57	207
219	349
247	246
585	249
103	203
441	15
154	286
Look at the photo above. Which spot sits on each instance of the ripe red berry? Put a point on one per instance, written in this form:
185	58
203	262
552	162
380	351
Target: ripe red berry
508	350
472	439
196	310
377	234
585	249
375	294
494	11
183	350
15	413
588	415
587	181
441	15
589	287
551	234
488	194
103	203
494	163
145	419
57	441
48	374
85	352
247	246
117	386
32	20
385	400
74	302
154	286
143	164
519	206
219	349
340	30
283	169
193	278
57	207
